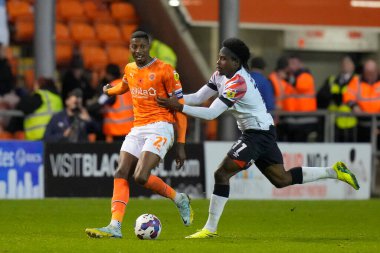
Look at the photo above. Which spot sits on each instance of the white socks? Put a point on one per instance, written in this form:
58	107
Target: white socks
217	204
311	174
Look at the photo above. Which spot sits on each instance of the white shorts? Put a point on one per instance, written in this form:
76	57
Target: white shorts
156	138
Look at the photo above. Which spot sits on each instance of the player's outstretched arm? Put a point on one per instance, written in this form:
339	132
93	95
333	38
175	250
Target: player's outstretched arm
181	121
118	89
208	113
199	97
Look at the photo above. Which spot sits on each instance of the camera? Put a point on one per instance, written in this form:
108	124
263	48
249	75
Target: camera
76	110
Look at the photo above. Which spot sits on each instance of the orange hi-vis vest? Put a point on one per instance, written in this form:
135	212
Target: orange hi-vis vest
118	118
282	89
365	95
304	97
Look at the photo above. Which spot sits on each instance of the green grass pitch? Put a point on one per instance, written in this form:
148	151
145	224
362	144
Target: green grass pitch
57	225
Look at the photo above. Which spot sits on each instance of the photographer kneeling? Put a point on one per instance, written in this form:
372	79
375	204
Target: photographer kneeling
72	124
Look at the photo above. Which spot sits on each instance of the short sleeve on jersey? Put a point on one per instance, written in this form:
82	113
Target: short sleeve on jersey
234	89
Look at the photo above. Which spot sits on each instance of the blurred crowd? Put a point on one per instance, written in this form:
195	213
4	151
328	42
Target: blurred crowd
290	87
78	111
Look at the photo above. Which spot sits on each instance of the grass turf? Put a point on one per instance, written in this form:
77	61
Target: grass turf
57	225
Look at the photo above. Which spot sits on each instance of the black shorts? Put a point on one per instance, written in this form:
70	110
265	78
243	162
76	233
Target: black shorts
256	146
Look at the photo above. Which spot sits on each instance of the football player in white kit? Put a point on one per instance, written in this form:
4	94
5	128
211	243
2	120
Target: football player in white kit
238	93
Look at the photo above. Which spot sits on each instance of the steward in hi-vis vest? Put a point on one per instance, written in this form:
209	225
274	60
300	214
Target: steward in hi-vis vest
35	123
118	117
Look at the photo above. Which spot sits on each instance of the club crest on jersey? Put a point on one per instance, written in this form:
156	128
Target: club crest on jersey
231	93
152	76
176	75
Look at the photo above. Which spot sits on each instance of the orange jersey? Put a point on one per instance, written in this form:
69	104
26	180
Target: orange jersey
155	79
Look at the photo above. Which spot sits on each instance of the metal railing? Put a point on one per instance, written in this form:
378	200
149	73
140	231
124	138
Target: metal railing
329	132
329	118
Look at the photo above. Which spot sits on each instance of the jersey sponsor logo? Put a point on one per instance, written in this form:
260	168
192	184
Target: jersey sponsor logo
144	93
176	75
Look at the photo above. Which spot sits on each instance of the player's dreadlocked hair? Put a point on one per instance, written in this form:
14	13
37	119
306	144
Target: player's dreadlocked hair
239	48
140	34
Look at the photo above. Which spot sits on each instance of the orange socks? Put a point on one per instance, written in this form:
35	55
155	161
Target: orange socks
157	185
120	198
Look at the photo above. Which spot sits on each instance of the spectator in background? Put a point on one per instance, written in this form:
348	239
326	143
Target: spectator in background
76	77
330	97
283	92
6	75
8	98
72	124
163	52
39	107
282	89
114	114
301	128
364	96
257	66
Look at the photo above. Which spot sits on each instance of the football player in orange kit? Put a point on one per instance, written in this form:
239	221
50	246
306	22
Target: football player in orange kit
152	134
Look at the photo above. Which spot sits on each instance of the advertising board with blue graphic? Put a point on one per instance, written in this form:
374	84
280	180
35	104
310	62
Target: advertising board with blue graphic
21	170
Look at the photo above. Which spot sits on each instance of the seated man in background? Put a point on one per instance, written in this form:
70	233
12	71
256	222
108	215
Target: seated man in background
72	124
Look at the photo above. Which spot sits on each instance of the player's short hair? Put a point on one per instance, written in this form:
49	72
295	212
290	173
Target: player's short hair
140	35
257	63
239	48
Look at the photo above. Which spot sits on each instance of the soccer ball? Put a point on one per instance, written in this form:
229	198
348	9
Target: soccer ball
147	227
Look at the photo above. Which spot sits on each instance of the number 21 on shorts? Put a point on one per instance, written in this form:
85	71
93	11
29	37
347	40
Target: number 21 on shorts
159	142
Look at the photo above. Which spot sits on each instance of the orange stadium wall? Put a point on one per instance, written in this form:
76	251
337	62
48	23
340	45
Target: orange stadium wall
154	16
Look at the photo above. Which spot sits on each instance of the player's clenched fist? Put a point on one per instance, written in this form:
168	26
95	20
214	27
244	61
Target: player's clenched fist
106	87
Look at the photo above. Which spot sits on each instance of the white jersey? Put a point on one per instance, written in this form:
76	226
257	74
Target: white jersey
241	95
